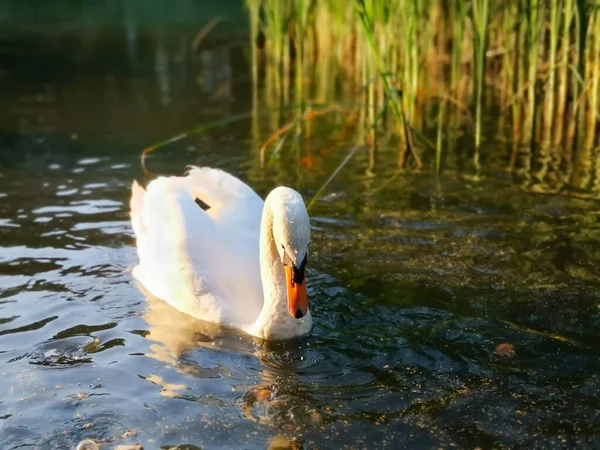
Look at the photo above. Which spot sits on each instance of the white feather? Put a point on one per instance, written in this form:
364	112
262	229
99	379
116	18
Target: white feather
208	263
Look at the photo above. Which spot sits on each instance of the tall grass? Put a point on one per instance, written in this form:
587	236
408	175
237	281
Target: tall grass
443	68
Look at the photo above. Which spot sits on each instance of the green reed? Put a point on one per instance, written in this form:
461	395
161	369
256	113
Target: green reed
592	70
554	22
563	70
534	29
459	65
480	10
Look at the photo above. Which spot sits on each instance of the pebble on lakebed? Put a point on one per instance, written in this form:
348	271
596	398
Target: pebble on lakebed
505	349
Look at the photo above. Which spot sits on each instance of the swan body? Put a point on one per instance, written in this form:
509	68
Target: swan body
239	263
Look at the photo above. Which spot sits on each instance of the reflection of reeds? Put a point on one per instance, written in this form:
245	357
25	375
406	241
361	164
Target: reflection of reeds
537	63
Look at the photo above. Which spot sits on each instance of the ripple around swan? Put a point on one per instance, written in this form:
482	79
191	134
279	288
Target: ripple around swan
61	353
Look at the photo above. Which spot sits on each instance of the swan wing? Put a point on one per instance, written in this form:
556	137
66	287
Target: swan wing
189	257
232	203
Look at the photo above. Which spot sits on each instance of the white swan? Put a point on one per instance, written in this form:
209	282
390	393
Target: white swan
240	263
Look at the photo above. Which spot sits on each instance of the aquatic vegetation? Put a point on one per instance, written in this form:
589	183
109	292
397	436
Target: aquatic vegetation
521	75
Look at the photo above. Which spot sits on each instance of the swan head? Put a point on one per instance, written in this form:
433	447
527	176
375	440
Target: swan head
291	233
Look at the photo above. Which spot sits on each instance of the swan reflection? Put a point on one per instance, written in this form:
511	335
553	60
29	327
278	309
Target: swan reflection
267	373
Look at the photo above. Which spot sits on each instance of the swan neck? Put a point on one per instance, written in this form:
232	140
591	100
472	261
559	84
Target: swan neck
275	321
271	269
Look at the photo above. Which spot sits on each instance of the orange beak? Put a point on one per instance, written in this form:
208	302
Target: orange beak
297	299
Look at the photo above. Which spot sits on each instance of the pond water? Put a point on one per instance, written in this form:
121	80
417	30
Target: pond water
448	312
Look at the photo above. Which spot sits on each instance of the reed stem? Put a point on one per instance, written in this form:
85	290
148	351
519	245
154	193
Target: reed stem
480	21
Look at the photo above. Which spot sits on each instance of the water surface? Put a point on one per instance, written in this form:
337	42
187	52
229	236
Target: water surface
448	312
